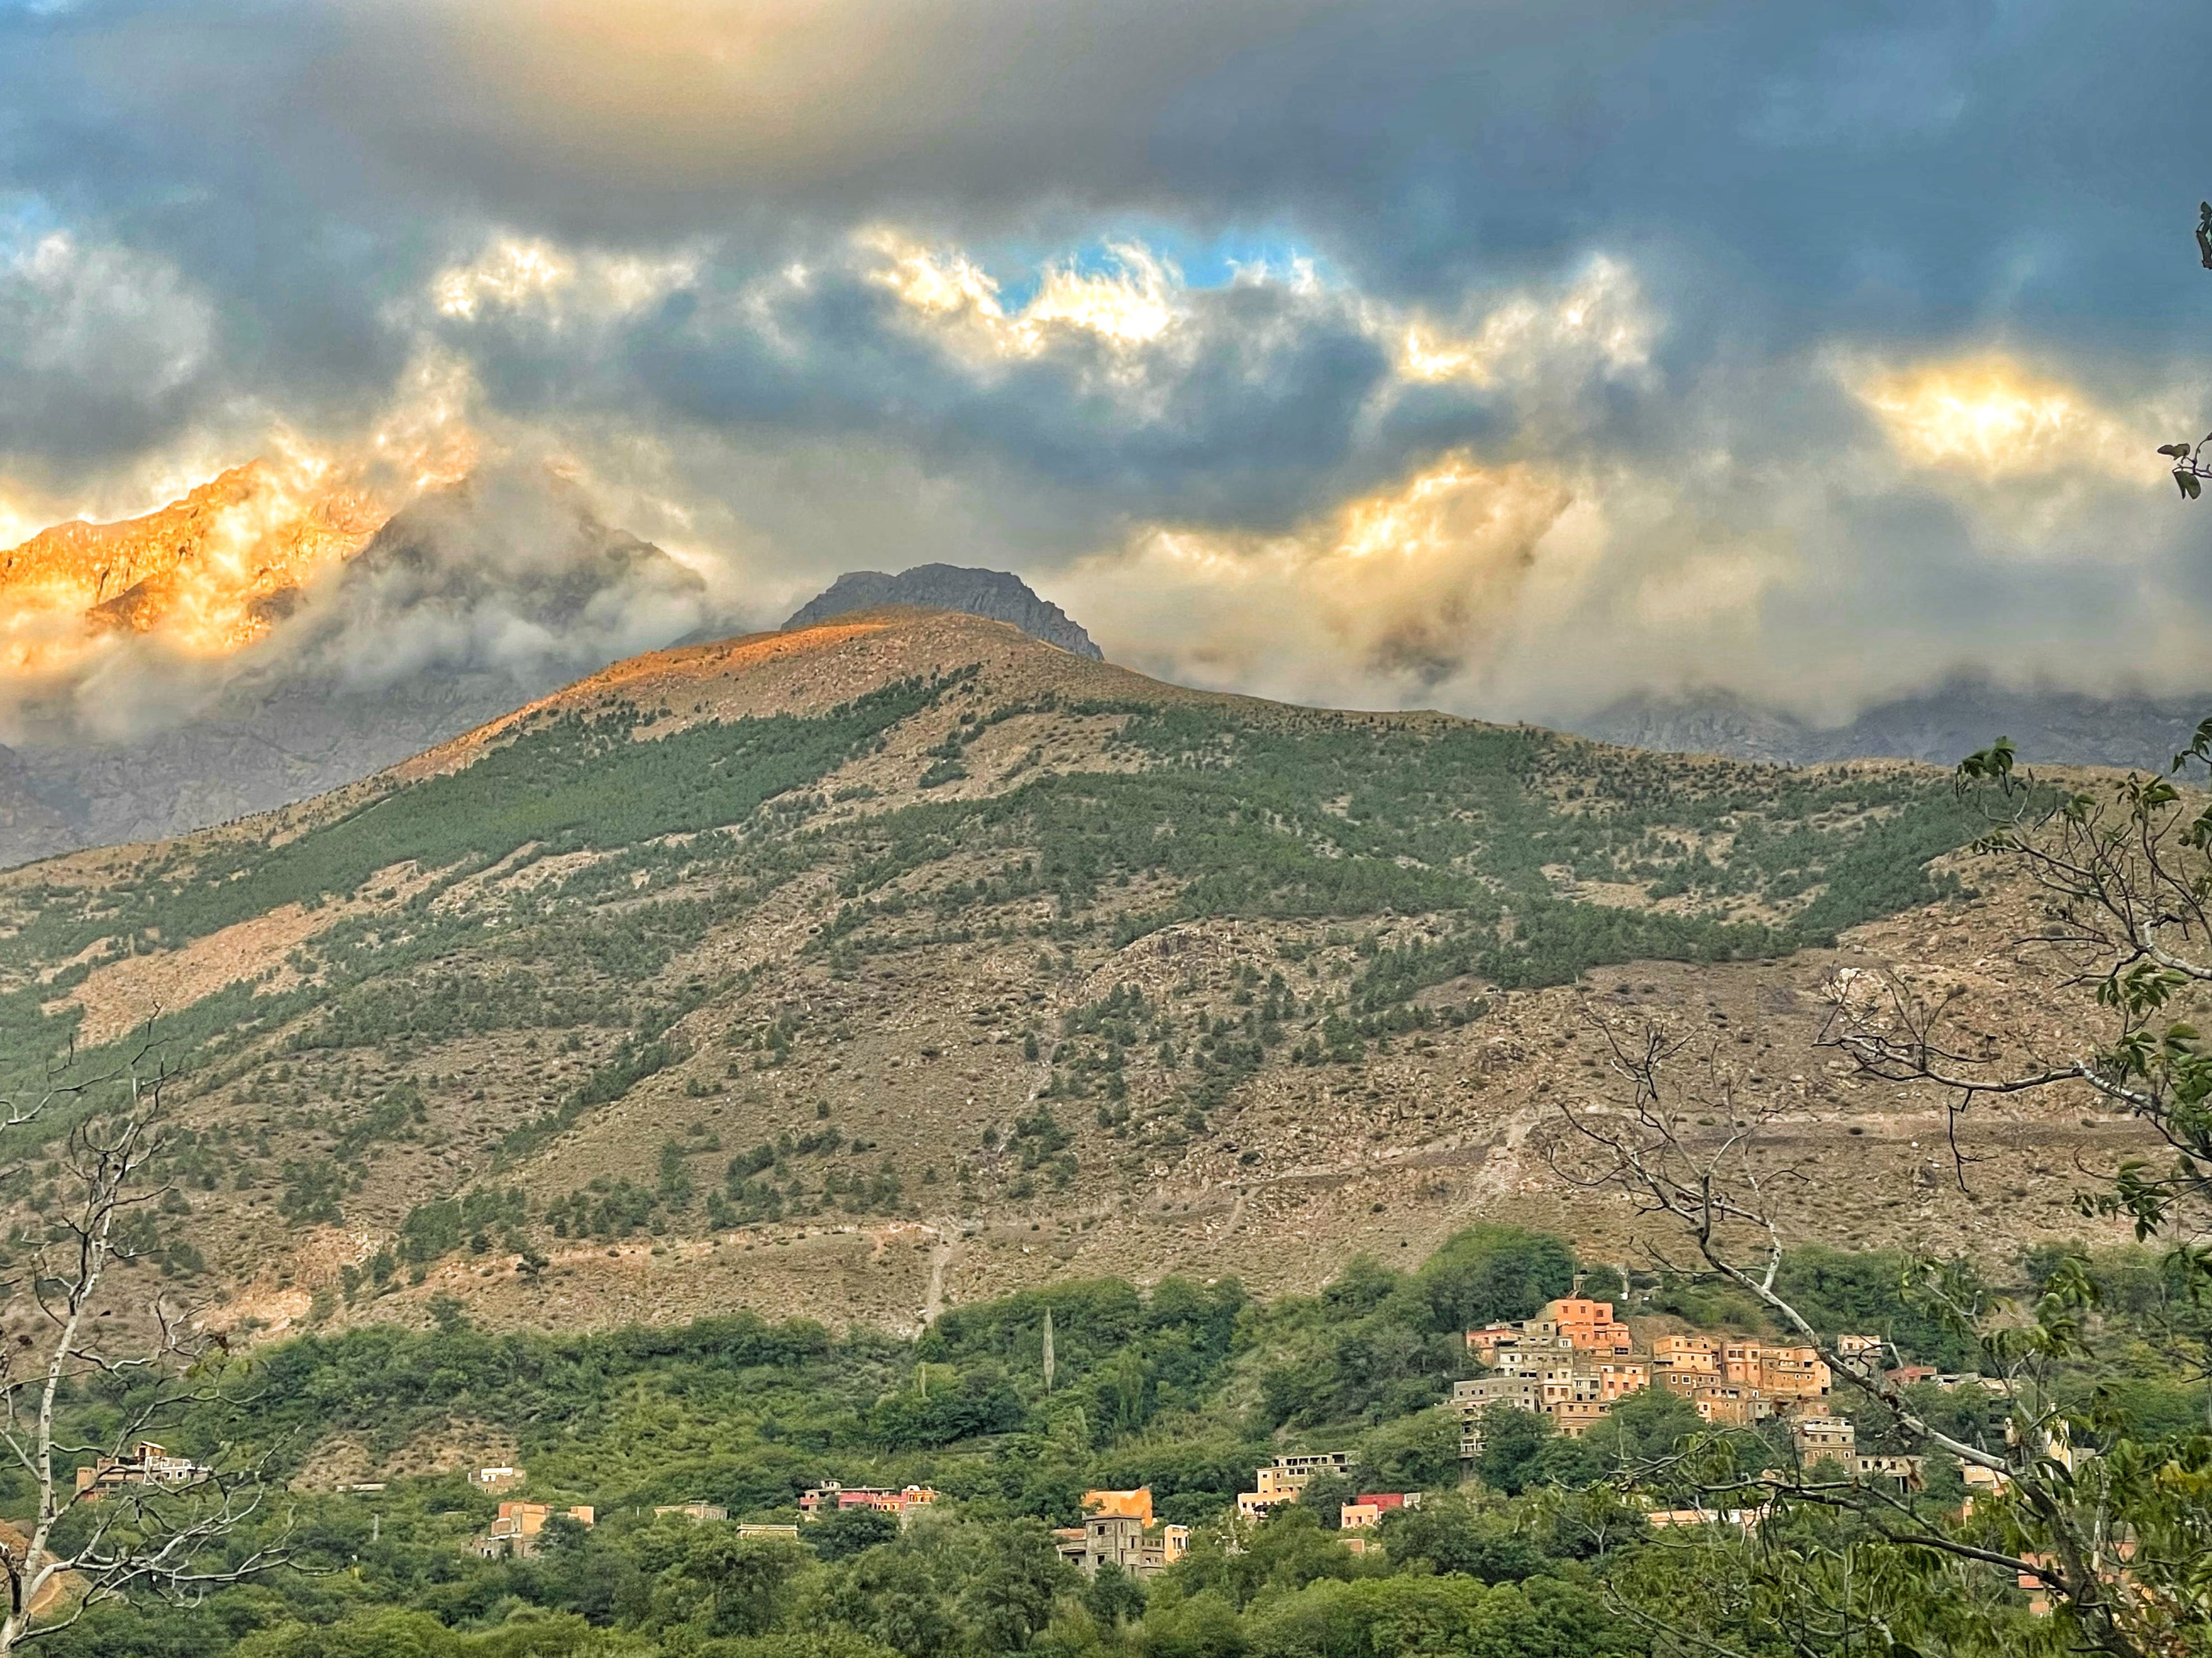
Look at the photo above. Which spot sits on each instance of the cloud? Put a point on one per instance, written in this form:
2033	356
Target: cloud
506	579
1599	326
1400	589
508	572
1989	415
1816	353
521	274
100	346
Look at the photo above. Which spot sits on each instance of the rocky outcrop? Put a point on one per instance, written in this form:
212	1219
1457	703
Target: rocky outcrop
992	594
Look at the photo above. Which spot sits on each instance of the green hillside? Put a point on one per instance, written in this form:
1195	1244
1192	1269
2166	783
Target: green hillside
589	884
1184	1389
1262	818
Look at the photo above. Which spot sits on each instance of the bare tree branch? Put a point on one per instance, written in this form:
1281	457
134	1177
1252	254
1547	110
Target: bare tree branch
147	1526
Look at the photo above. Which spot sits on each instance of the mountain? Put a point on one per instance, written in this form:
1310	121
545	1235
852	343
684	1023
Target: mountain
864	969
992	594
208	572
1939	727
464	604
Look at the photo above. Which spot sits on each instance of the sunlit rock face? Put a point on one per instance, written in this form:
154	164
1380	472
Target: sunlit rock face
206	574
256	642
992	594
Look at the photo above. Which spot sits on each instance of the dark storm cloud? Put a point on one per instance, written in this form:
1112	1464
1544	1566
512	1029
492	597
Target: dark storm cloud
100	353
1248	415
1910	164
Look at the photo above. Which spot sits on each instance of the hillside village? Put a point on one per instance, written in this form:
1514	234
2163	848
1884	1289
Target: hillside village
1575	1361
1569	1365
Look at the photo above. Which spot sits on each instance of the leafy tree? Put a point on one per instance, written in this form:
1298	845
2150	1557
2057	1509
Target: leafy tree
1512	1441
1400	1616
749	1581
1454	1535
890	1595
1287	1551
1200	1625
844	1532
1645	1427
1011	1598
1115	1598
1326	1494
391	1633
1490	1273
1844	1291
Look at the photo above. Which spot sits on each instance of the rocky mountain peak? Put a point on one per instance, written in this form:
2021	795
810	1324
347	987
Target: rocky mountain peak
993	594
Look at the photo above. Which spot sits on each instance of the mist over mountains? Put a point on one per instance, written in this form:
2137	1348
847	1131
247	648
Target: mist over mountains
470	601
1939	726
342	642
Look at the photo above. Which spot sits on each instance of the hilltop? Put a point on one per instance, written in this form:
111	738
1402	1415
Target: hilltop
992	594
867	969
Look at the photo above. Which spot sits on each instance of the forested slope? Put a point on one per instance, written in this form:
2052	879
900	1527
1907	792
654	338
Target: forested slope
880	965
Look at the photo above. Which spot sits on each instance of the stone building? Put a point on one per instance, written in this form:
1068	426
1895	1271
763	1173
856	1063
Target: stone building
1123	1541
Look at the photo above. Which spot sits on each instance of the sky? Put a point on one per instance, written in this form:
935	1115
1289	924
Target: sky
1507	358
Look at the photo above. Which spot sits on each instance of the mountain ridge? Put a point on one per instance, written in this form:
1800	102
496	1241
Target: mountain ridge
1934	727
993	594
407	641
905	960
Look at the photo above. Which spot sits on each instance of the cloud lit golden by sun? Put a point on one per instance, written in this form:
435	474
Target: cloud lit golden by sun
214	569
1989	415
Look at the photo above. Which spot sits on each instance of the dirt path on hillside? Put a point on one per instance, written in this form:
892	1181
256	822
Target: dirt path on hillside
941	1258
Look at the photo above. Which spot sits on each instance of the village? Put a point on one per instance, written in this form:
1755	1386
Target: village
1571	1364
1119	1527
1576	1360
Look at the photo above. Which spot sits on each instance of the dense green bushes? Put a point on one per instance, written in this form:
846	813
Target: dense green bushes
1376	1344
1180	1389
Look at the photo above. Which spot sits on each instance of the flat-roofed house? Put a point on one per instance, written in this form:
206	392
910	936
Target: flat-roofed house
1472	1399
517	1530
829	1496
1123	1541
1794	1372
1589	1325
149	1464
1818	1438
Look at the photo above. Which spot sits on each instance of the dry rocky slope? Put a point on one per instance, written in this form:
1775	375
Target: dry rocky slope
1015	965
